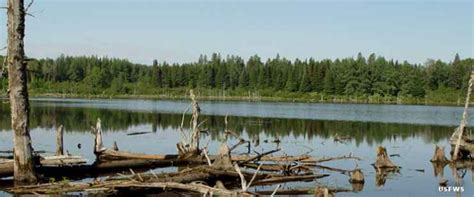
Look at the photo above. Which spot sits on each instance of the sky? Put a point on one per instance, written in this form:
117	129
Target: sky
179	31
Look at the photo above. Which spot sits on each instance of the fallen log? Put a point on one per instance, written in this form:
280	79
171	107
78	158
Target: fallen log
286	179
301	191
6	166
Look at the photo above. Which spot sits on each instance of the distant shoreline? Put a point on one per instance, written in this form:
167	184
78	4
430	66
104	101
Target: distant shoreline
333	99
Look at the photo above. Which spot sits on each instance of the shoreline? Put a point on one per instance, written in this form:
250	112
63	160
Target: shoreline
333	100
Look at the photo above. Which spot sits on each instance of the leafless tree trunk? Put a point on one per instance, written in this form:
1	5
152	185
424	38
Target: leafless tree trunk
59	141
24	171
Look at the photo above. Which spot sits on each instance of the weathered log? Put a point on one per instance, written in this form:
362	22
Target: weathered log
325	159
285	179
301	191
58	188
6	166
62	160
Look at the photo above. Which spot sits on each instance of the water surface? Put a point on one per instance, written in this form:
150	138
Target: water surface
407	130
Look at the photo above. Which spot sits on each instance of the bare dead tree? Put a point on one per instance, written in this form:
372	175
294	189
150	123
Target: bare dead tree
24	171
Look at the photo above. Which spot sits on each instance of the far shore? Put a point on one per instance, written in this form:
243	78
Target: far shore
242	98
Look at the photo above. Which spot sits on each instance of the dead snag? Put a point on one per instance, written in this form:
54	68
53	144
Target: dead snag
98	145
59	141
383	161
439	156
463	120
191	149
17	83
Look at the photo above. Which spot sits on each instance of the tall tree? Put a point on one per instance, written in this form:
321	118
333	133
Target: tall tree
23	169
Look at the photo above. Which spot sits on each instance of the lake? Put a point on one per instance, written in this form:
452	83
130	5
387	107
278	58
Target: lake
408	130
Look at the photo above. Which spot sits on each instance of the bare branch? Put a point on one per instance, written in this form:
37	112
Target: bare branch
275	191
242	178
254	175
29	5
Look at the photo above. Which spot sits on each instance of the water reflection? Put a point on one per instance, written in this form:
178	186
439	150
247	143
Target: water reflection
80	120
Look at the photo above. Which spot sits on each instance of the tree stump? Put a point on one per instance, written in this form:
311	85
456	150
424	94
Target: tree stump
383	161
224	160
357	176
439	156
323	192
59	141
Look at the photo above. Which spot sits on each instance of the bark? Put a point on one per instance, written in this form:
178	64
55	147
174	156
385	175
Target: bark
59	141
383	161
24	171
439	155
357	176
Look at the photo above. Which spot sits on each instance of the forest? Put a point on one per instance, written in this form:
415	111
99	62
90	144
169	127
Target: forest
371	79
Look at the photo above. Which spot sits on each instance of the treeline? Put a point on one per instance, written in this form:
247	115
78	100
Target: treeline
358	77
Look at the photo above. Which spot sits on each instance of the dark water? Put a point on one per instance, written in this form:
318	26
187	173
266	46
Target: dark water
411	131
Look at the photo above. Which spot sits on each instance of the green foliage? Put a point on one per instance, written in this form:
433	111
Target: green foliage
348	78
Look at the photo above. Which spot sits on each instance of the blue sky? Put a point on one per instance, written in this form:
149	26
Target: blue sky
179	31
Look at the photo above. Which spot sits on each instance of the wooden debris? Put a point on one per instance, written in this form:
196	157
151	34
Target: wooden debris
439	156
190	149
383	161
357	176
323	192
463	123
138	133
59	140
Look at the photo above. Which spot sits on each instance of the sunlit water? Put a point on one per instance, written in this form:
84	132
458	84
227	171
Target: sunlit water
410	131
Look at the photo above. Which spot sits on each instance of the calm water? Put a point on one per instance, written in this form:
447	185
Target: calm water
411	131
